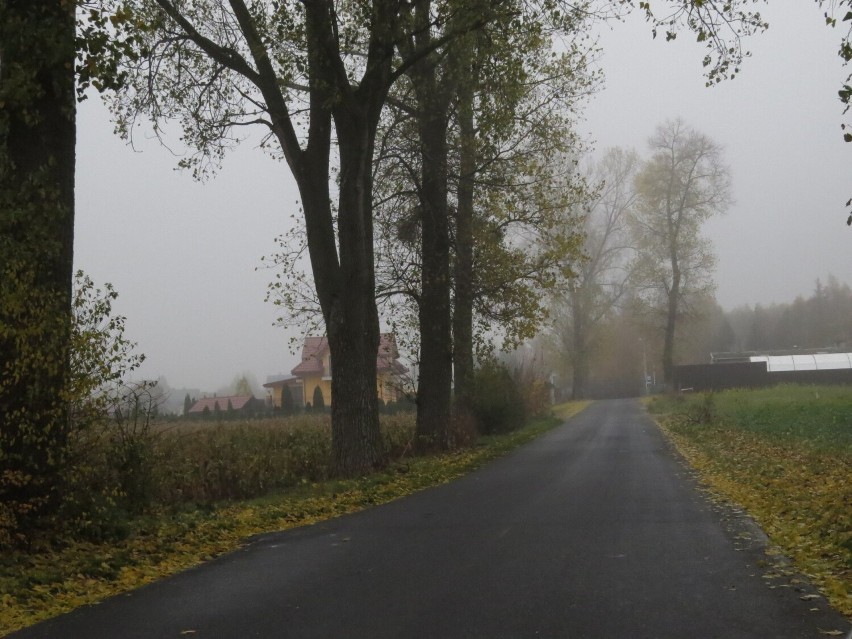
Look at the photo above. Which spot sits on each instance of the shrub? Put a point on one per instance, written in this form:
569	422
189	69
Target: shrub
404	404
536	393
85	472
703	413
319	400
397	434
463	431
497	403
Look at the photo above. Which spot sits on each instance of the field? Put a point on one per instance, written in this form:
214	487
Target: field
784	455
255	458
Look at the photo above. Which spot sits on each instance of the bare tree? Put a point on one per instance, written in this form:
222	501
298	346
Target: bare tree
682	185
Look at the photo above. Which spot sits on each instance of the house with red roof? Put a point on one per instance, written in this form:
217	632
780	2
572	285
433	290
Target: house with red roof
310	379
234	404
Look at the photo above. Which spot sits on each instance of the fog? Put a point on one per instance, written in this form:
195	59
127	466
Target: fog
185	256
779	122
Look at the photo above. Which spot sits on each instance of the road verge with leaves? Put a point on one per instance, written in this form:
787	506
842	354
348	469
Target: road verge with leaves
784	455
38	586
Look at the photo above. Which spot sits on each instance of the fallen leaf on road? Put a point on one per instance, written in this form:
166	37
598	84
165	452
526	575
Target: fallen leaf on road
808	597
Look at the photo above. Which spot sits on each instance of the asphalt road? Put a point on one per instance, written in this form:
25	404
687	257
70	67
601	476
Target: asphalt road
595	530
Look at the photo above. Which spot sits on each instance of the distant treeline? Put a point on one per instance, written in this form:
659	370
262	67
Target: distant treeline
823	319
628	343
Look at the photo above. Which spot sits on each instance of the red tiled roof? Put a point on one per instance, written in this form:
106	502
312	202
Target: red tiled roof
237	402
312	351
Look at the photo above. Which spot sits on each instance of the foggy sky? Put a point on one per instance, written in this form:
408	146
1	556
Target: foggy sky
185	256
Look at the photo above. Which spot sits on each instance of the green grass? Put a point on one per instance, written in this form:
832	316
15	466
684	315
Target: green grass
36	586
817	417
785	455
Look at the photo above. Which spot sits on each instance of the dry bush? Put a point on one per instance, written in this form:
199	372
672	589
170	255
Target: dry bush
463	431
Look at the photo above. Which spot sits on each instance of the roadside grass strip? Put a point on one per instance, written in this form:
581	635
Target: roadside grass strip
37	586
785	456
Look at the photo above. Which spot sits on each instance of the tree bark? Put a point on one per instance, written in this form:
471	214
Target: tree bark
352	320
435	381
37	156
463	302
671	325
434	386
345	280
580	364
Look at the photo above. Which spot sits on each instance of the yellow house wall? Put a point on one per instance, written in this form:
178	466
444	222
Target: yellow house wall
385	389
311	382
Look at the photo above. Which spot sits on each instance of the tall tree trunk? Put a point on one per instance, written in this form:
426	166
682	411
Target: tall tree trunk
671	324
37	137
463	303
353	320
580	364
435	381
345	285
344	270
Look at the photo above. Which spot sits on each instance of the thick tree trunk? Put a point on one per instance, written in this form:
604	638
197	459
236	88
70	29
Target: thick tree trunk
463	303
345	284
435	381
344	270
353	320
357	442
37	137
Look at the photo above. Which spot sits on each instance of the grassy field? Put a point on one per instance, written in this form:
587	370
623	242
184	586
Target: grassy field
785	455
36	586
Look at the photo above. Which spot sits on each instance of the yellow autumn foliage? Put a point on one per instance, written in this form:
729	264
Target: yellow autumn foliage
796	483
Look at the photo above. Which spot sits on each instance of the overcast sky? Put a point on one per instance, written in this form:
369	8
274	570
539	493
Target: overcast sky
184	256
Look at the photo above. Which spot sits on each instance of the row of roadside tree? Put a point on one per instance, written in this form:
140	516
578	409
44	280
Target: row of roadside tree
432	143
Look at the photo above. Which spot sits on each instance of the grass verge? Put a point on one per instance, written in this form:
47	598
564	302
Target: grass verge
38	586
784	455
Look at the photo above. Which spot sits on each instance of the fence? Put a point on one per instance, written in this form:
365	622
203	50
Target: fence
713	377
